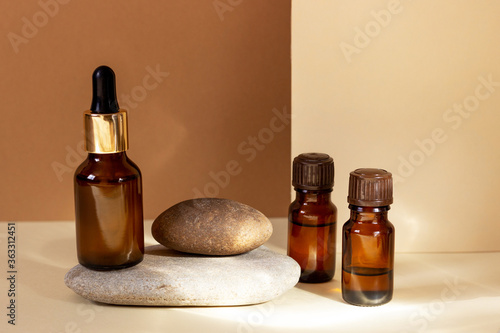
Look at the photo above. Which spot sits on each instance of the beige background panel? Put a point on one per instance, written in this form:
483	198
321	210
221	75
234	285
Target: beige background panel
381	84
206	84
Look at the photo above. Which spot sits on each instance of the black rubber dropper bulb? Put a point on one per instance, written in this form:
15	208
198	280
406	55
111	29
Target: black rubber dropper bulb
104	91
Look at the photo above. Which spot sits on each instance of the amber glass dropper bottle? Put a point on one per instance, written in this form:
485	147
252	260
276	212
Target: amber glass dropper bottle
108	185
368	240
312	218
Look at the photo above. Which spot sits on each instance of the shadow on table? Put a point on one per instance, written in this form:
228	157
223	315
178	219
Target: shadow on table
330	290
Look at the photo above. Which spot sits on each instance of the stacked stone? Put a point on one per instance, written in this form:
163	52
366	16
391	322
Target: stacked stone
211	255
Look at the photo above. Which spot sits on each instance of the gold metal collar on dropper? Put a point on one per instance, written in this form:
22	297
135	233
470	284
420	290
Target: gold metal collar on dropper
106	133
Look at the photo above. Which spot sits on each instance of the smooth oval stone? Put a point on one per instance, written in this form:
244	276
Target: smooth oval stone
212	226
170	278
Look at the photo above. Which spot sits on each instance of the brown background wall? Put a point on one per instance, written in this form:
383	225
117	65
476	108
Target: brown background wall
224	102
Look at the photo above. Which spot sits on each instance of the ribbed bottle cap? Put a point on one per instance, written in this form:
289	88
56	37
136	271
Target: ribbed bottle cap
313	171
370	188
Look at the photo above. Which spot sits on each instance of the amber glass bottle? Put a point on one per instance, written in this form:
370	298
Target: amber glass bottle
312	218
368	240
108	186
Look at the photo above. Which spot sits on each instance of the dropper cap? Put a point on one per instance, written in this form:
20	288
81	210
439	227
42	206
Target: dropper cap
105	124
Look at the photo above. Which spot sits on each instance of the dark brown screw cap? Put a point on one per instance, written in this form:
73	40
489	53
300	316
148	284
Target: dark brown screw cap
370	188
313	171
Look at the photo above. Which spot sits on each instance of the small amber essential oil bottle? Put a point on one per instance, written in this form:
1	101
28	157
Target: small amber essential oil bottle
368	240
312	218
108	186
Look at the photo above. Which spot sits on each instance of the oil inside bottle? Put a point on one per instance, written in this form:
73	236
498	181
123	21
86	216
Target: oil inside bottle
313	247
367	286
109	223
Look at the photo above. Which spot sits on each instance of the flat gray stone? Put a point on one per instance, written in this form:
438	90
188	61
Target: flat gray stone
212	226
170	278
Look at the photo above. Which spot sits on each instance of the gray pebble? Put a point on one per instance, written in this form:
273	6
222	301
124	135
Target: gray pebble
170	278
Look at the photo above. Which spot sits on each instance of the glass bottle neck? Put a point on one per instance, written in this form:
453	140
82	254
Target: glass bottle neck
112	157
369	214
320	197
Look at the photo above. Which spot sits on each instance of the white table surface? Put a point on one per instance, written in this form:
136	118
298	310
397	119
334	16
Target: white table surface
433	293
